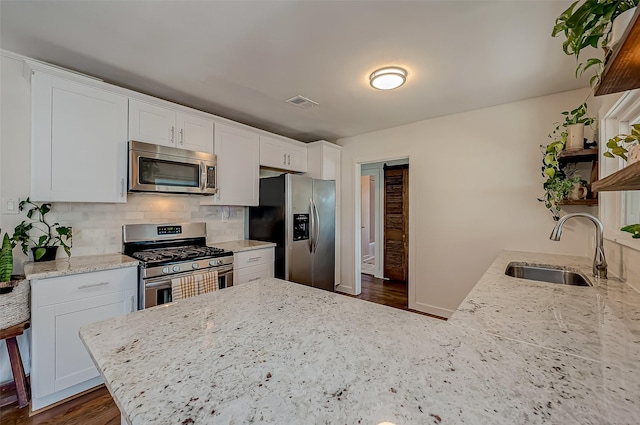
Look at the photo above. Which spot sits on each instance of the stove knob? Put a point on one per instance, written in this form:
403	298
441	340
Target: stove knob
165	270
219	262
195	265
212	262
176	268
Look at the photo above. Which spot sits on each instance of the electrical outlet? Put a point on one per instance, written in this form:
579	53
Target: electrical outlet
10	205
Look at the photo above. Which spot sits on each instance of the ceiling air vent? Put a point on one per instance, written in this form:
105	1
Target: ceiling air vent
302	102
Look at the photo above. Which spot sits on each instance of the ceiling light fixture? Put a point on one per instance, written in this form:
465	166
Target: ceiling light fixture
388	78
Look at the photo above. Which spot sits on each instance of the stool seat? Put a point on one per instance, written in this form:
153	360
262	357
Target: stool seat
22	395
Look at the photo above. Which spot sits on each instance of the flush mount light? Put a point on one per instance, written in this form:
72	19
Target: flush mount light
388	78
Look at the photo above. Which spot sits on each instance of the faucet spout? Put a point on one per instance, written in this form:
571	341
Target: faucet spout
599	260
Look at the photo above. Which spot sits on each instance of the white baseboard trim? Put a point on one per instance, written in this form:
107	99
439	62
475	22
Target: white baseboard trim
430	309
346	289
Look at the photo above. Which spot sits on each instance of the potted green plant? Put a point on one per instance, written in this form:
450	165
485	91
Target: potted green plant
574	122
6	259
50	235
14	290
587	23
560	180
626	146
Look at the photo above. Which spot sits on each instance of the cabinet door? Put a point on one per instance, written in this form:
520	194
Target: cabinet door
272	153
296	158
194	133
238	168
151	123
79	142
59	359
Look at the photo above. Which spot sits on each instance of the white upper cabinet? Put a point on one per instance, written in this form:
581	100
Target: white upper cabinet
151	123
194	133
283	155
238	169
79	142
324	161
161	125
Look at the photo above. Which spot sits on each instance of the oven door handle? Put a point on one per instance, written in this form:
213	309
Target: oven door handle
162	284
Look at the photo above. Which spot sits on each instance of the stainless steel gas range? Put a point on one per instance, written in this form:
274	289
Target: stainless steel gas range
170	251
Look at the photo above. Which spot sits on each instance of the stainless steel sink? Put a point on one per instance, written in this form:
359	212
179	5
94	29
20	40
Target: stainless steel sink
551	274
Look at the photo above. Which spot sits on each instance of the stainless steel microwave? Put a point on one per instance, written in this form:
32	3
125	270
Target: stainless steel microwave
164	169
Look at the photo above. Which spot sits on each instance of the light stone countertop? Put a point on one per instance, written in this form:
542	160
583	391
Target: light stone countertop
75	265
600	323
242	245
277	352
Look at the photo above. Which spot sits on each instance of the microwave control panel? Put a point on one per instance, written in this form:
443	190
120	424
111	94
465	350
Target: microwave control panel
211	177
300	227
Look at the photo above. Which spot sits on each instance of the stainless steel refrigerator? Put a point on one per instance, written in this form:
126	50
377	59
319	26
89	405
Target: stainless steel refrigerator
298	214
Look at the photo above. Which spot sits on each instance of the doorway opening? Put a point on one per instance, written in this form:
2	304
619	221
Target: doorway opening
384	235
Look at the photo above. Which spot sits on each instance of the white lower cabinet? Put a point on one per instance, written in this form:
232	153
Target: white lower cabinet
60	365
253	265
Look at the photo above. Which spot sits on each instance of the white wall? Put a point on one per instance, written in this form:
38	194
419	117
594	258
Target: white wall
97	228
474	180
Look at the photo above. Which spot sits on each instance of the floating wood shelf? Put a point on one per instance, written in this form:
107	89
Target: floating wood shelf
587	202
626	179
582	155
622	71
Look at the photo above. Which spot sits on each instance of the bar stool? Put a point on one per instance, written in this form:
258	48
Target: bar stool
22	395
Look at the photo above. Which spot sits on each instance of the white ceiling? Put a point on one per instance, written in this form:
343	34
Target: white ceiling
243	59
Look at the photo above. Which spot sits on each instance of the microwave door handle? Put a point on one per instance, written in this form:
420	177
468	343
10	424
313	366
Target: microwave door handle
203	176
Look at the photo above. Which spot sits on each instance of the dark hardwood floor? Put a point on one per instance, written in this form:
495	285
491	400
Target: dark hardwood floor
94	408
387	292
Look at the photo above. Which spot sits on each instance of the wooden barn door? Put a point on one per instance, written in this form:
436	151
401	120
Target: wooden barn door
396	222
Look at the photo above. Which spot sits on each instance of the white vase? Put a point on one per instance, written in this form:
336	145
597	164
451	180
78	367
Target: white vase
575	137
634	154
619	25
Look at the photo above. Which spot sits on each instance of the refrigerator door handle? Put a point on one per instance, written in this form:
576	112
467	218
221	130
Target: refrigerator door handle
312	226
316	222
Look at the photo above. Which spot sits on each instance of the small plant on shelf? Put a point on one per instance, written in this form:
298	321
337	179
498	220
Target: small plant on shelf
560	180
50	235
623	143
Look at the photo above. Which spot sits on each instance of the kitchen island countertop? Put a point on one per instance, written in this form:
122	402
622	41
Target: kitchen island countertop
277	352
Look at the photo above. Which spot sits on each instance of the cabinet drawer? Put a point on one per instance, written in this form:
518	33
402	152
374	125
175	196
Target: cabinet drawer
252	273
253	258
74	287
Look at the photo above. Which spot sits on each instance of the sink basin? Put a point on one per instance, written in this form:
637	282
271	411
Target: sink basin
551	274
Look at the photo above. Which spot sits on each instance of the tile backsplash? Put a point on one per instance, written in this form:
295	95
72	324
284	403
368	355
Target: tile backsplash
623	262
97	228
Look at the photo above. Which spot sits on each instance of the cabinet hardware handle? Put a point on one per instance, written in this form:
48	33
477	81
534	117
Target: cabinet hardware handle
122	188
284	159
288	159
93	285
131	304
172	131
181	137
251	260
